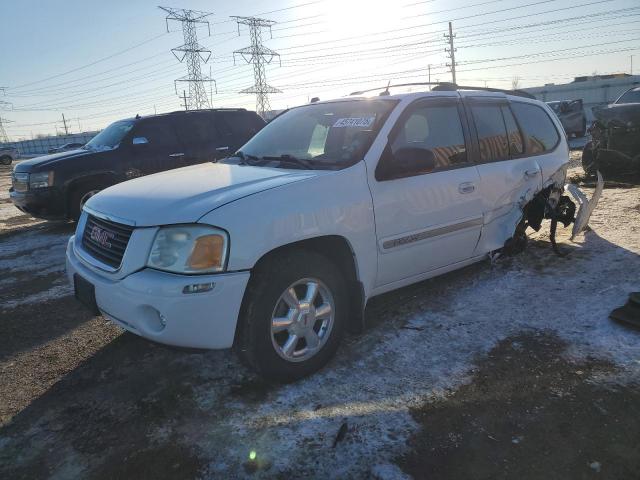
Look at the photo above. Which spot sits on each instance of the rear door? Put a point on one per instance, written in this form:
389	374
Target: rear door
236	127
198	136
509	174
426	220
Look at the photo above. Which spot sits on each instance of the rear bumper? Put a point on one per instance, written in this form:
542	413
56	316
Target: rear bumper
152	304
45	203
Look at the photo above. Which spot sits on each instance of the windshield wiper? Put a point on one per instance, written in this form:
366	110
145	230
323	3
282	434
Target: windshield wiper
291	160
244	157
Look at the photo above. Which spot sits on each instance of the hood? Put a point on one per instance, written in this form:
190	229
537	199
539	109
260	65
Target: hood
618	114
186	194
47	160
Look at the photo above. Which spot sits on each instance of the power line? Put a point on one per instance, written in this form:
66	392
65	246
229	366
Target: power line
257	54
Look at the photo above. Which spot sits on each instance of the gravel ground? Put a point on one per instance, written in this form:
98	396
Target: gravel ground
504	370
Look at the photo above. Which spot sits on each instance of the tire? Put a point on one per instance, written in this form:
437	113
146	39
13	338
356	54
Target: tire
79	197
262	346
6	160
587	160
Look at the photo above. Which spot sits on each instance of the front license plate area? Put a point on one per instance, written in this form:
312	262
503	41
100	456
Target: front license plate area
85	292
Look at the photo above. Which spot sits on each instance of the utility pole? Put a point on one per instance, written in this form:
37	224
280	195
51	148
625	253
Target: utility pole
64	122
631	64
258	55
429	67
451	51
192	53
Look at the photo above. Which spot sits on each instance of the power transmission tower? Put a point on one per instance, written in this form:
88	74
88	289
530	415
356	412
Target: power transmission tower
4	138
452	52
192	53
258	55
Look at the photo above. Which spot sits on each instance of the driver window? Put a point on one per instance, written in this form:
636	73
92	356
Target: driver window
436	128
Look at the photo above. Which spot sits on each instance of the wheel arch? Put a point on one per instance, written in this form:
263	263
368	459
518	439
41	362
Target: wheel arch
73	185
339	250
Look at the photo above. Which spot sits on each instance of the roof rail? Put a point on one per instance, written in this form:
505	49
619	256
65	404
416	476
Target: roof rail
446	86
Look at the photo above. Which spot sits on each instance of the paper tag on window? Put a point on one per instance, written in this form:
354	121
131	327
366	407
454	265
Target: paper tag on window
358	122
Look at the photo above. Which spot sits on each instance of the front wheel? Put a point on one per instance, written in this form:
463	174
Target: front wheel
294	316
6	160
80	196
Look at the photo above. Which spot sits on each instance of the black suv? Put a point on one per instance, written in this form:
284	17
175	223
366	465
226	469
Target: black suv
56	186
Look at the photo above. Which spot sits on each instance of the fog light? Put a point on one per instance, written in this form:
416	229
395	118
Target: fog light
199	287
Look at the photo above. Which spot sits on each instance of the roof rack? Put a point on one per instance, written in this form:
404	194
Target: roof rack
446	86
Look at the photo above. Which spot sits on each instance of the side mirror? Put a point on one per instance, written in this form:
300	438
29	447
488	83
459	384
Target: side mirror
413	161
140	141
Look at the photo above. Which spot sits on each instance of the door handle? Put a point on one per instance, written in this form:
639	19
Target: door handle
222	149
466	187
179	154
531	173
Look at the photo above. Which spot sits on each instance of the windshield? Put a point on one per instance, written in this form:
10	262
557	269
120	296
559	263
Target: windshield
318	136
632	96
110	137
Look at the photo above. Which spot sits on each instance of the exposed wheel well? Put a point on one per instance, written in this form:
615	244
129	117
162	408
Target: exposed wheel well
337	249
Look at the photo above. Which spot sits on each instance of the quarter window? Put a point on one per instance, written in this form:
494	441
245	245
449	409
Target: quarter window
436	128
539	131
492	132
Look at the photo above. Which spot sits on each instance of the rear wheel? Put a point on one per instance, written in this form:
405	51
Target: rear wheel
5	160
293	317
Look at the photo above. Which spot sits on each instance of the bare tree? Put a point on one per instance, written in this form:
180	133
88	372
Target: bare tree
515	82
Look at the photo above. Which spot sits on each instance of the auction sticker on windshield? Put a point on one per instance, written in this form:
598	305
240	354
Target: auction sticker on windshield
360	122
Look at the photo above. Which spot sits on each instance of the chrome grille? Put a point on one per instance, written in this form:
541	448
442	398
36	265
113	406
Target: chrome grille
106	240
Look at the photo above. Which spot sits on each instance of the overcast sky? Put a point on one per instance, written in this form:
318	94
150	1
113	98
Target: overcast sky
98	61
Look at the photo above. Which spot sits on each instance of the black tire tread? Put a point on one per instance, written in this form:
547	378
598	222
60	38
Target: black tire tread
275	271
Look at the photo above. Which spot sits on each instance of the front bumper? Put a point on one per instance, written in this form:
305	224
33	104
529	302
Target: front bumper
152	304
42	203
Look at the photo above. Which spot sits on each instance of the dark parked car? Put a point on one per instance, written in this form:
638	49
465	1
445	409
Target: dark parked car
571	115
58	185
615	145
66	147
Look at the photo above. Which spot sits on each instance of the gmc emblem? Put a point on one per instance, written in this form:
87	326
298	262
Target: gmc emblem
101	236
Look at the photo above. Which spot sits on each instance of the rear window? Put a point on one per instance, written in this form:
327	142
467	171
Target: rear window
632	96
539	131
492	132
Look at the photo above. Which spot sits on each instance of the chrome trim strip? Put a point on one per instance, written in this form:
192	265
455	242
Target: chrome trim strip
430	233
111	218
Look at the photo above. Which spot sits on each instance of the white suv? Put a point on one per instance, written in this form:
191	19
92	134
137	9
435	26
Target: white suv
277	249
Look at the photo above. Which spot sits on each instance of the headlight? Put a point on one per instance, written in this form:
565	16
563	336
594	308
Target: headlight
189	249
41	179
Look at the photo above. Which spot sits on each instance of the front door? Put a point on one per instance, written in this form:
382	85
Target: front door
154	147
426	219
